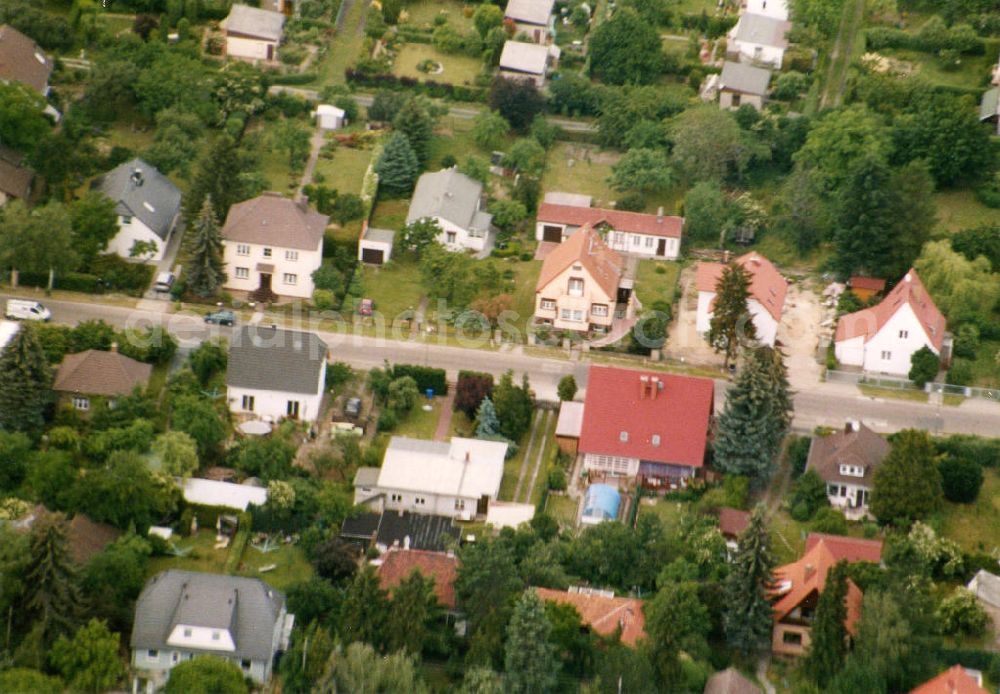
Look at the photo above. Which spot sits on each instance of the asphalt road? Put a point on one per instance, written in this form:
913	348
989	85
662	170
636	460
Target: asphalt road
826	404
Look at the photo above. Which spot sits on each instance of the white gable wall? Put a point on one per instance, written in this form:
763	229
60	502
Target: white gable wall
129	233
239	256
850	352
900	337
766	326
769	8
274	403
250	49
463	240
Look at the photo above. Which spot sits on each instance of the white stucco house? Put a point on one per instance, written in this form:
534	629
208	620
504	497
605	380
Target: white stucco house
882	338
253	33
182	615
272	245
647	235
527	61
455	201
778	9
531	18
846	461
276	374
758	39
741	84
148	206
459	479
765	303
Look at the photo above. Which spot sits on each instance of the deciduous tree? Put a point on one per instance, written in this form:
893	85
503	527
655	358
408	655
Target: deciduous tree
22	123
676	621
38	241
413	615
517	101
359	668
94	223
626	49
709	144
178	453
206	675
642	170
907	485
89	662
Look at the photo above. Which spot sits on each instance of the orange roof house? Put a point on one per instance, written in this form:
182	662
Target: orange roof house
884	337
849	549
865	287
954	680
397	565
767	294
580	284
797	587
604	614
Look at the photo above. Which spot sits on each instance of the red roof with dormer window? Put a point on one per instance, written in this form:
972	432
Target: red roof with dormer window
651	416
910	291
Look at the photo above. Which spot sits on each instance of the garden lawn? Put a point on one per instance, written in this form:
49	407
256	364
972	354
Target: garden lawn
395	287
548	462
652	286
788	538
511	471
202	557
390	214
460	425
344	49
985	369
968	75
292	565
274	163
526	277
422	14
345	171
458	69
893	393
976	526
562	508
959	209
420	424
453	137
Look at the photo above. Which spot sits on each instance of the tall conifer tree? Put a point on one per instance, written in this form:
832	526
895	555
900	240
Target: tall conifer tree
530	659
25	380
731	324
747	618
829	631
205	275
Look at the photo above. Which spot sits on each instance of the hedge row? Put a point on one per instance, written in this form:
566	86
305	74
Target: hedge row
439	90
712	27
425	376
878	38
981	450
239	544
109	274
294	78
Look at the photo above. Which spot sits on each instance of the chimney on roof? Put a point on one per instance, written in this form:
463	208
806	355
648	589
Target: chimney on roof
406	542
659	214
906	277
850	426
643	384
468	457
654	387
810	571
136	177
114	348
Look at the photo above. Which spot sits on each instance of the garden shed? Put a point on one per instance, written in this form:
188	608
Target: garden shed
330	117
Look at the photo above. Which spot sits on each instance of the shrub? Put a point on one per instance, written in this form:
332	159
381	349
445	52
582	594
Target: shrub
924	366
961	479
961	614
798	453
324	299
567	387
830	520
967	341
425	377
960	373
808	496
387	421
470	390
631	202
983	451
338	373
557	480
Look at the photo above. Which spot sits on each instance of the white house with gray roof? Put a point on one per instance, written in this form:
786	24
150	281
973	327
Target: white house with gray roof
459	478
456	203
527	61
253	33
759	40
531	18
276	374
181	615
148	205
741	84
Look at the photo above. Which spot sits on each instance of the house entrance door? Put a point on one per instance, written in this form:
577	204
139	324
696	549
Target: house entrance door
661	247
265	281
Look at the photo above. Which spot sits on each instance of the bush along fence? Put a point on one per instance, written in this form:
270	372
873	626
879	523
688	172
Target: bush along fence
889	382
432	88
425	376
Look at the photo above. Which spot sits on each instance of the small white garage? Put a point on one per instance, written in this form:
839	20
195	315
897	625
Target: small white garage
330	117
375	245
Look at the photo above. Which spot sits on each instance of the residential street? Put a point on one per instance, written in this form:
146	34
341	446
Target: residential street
828	404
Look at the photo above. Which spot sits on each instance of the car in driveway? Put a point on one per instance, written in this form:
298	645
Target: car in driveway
352	408
164	282
366	307
221	318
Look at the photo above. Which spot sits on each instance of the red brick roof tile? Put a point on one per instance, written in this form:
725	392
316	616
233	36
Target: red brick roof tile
910	290
398	564
602	614
849	549
954	680
767	285
619	220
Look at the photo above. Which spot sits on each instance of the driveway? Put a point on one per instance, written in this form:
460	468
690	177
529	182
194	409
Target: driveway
799	332
683	340
166	263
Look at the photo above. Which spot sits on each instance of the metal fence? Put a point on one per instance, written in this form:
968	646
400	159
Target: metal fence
876	381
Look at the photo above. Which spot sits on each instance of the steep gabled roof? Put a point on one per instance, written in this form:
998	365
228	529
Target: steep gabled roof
910	291
849	549
272	219
141	191
255	22
668	423
603	614
762	30
954	680
767	285
268	358
795	582
21	60
397	565
619	220
100	373
732	521
530	11
862	448
744	78
451	195
587	248
529	58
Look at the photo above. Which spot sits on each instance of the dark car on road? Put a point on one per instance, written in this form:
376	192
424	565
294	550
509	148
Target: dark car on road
221	318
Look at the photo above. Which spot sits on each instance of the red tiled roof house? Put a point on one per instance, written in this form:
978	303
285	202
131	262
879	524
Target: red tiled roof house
442	567
797	587
649	425
649	235
954	680
883	338
603	613
582	286
765	303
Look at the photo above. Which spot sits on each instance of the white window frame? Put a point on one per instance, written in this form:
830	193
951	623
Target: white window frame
904	334
572	315
599	310
650	242
248	403
242	249
886	355
547	304
267	252
575	286
636	240
291	256
81	402
290	278
242	273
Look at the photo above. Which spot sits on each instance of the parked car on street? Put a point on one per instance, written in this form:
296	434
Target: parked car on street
26	309
221	318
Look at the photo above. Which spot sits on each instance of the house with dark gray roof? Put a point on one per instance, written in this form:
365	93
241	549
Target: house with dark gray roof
181	615
276	374
253	33
400	529
94	372
742	84
846	461
455	201
15	178
148	205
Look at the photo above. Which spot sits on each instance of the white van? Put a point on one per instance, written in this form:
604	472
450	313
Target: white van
25	309
164	281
